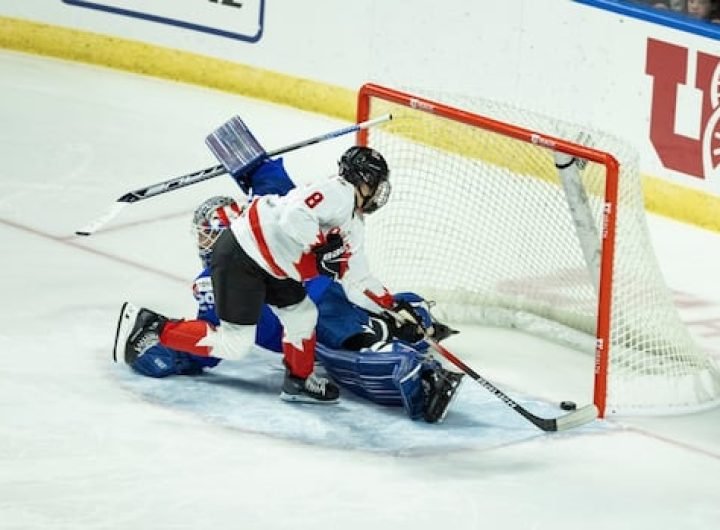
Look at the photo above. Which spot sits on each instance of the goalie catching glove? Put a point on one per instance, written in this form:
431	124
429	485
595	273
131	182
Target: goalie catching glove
412	321
407	323
332	257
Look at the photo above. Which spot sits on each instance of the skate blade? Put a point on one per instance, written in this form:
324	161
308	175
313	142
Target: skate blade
299	398
126	320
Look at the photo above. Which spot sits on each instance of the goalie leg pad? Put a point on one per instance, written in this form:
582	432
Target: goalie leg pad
411	391
298	342
160	361
368	374
388	374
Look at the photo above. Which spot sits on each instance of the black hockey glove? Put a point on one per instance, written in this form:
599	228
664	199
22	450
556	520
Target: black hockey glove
408	327
442	331
332	258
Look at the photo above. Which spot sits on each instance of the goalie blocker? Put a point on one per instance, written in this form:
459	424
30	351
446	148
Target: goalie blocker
237	149
231	159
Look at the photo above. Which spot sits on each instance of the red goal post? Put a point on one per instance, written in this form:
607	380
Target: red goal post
510	151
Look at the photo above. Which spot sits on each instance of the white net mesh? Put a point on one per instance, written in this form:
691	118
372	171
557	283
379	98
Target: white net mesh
479	222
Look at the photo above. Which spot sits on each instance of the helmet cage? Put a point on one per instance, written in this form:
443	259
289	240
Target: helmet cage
210	219
378	199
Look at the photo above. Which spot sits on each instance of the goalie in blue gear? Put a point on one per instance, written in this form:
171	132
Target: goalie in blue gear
370	355
377	359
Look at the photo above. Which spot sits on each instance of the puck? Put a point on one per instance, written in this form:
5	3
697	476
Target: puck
568	405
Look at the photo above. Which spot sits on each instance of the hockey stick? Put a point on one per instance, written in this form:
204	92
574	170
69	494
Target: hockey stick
575	418
208	173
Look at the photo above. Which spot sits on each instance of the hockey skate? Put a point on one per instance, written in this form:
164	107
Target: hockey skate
314	389
137	330
440	387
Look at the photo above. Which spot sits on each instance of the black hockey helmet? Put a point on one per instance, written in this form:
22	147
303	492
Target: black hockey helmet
364	165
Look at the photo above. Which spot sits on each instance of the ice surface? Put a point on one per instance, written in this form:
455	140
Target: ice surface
84	443
243	395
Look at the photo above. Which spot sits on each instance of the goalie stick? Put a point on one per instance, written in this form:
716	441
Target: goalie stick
208	173
576	418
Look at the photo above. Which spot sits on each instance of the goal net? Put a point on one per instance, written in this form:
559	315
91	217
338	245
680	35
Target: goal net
483	222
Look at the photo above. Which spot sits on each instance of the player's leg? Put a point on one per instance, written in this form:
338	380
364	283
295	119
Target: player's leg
298	315
240	291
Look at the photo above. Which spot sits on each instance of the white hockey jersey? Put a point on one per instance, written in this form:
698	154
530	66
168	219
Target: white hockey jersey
279	232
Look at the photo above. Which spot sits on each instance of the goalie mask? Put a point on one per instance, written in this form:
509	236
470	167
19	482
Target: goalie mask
210	219
363	165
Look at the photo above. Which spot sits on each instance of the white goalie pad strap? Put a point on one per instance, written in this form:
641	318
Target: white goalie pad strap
235	146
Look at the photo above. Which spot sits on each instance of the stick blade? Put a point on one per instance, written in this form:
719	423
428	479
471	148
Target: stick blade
95	225
577	418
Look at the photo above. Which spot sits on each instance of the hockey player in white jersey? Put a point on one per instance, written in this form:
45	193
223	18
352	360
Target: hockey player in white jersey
373	356
281	241
284	237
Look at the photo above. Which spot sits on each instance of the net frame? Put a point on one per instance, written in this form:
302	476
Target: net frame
603	339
